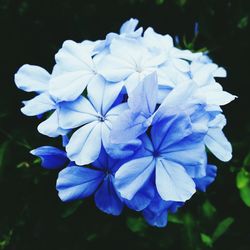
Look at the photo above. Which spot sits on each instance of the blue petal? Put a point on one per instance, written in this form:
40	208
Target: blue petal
157	220
170	131
128	126
32	78
203	183
106	198
131	176
174	100
190	153
121	151
106	163
77	182
142	198
156	213
172	181
52	158
85	144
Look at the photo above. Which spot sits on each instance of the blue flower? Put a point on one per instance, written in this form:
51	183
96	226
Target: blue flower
95	115
77	182
52	158
130	67
136	115
32	78
142	114
127	31
174	158
76	68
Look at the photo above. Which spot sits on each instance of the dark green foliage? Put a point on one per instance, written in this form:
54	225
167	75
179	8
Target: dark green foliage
31	215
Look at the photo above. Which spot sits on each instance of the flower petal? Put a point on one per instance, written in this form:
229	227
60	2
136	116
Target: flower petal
170	131
70	85
142	198
32	78
218	144
85	144
132	175
128	126
115	69
52	158
106	198
146	90
77	182
76	113
173	182
50	127
38	105
103	94
204	182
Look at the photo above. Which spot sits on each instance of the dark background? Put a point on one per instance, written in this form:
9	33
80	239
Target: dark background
31	215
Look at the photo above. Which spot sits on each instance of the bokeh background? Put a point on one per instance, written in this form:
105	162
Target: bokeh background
31	215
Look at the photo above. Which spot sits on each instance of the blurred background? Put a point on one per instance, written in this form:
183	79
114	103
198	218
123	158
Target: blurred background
31	214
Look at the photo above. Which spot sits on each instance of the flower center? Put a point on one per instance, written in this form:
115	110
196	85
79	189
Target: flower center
138	68
156	154
101	118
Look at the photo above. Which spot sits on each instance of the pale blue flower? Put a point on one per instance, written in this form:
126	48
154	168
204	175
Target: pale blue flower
141	114
95	116
77	70
127	31
32	78
130	67
76	182
173	157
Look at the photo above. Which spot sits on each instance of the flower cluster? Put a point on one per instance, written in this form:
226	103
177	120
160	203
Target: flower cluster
136	115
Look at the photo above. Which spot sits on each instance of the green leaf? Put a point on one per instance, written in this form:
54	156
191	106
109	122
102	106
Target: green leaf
71	208
208	209
181	3
243	22
222	228
6	239
246	162
136	225
175	219
245	194
91	237
159	2
207	240
242	178
3	151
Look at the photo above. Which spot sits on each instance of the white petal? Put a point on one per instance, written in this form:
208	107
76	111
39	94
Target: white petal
218	144
38	105
172	181
70	85
77	113
50	127
32	78
102	94
85	144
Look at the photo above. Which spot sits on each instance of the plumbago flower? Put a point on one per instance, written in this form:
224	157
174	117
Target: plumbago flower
137	116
